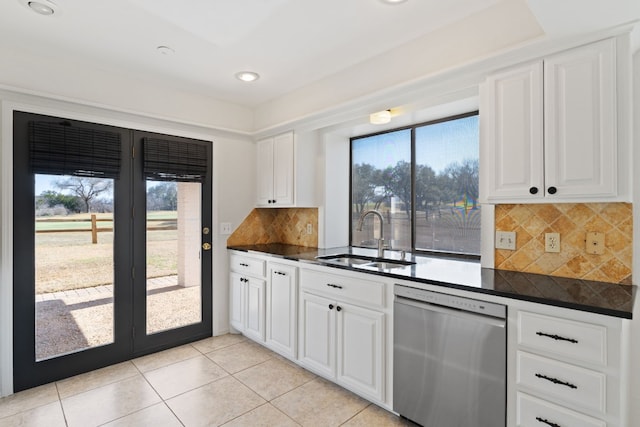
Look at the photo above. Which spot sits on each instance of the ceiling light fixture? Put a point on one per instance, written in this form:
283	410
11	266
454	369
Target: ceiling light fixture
247	76
40	8
393	1
165	50
380	118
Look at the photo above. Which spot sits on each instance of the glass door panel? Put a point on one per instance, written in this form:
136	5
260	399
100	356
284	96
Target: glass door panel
74	264
173	270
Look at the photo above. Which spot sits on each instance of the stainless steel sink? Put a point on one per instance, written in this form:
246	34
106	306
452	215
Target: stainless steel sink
346	259
363	261
386	265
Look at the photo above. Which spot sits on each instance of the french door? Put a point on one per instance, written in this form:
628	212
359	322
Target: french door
111	245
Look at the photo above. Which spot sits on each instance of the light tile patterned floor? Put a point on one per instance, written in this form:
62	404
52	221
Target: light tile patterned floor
224	380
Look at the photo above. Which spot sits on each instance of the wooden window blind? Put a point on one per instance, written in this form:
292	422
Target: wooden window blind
174	161
63	149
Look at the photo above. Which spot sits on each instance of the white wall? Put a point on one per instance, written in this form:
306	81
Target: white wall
634	355
233	198
81	82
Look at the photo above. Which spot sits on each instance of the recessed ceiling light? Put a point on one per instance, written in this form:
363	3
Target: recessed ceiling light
40	8
393	1
247	76
165	50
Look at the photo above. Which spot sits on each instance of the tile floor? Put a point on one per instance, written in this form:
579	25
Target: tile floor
226	380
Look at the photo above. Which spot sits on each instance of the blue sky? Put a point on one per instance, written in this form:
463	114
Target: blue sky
437	145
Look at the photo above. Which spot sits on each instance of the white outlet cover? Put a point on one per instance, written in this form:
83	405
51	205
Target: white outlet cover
225	228
506	240
552	242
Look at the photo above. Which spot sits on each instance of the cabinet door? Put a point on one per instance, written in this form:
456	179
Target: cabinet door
580	121
283	169
512	130
264	165
317	334
255	316
360	349
281	309
237	302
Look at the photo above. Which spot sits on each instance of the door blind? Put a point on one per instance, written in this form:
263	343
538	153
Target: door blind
174	160
63	149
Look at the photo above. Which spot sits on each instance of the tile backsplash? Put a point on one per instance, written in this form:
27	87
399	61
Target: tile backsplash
277	225
572	221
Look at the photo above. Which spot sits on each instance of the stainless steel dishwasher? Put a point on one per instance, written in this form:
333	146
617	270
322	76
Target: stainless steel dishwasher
449	359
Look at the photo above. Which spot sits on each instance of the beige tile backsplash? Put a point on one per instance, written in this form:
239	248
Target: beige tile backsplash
572	221
277	225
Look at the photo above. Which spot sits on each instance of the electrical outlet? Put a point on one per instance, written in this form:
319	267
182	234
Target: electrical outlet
225	228
595	243
506	240
552	242
309	228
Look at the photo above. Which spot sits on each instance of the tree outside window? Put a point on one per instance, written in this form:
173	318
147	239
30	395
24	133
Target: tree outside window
425	182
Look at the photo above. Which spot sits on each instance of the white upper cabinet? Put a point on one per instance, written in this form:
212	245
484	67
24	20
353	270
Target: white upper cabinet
549	129
275	172
514	134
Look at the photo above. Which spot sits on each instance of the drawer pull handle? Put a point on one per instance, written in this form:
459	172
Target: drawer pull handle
334	286
557	337
280	273
547	422
556	381
244	265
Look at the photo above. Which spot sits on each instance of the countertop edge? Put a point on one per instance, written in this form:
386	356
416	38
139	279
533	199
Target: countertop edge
612	312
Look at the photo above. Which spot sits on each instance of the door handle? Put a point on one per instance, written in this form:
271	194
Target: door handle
206	246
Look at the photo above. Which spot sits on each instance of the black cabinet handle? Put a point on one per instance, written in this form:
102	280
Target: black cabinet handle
242	279
547	422
330	306
331	285
271	201
557	381
552	190
244	265
280	273
338	308
557	337
533	190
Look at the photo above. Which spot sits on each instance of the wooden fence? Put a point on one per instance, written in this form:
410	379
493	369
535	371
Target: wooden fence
95	229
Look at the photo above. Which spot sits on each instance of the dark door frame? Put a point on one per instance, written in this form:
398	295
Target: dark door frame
128	291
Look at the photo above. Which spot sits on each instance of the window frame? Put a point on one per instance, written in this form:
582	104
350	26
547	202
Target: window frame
412	128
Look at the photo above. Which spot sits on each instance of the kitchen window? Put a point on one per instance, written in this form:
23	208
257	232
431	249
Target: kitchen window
423	179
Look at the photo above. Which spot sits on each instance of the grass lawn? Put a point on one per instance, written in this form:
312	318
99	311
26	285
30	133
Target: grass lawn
68	260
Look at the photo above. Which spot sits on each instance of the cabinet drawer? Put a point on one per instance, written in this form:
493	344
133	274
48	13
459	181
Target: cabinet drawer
575	341
247	265
344	288
574	385
534	412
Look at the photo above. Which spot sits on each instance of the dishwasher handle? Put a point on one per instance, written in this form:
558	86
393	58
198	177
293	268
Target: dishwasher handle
468	315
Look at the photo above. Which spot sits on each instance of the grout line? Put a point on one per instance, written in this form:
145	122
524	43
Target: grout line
64	414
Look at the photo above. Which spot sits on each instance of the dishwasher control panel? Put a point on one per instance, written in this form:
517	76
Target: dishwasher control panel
451	301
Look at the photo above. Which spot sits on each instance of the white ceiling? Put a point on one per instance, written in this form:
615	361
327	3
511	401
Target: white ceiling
291	43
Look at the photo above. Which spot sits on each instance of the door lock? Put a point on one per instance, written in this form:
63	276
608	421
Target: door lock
206	246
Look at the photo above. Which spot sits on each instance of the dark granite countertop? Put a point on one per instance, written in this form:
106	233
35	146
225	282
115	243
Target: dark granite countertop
596	297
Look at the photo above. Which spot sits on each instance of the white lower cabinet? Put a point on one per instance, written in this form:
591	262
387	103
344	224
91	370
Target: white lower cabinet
317	334
359	349
281	312
247	295
340	340
248	305
567	368
534	412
